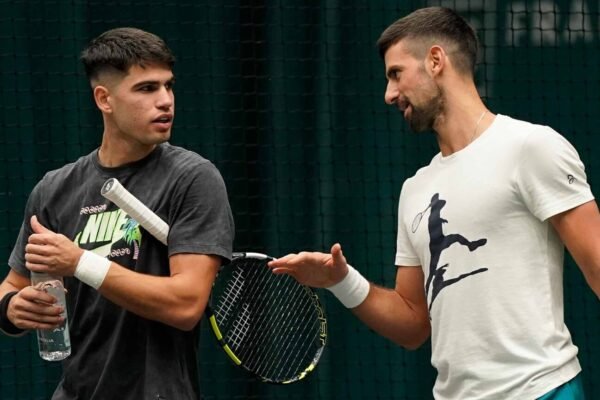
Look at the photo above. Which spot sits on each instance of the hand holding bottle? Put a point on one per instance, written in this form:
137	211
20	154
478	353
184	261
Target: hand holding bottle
54	343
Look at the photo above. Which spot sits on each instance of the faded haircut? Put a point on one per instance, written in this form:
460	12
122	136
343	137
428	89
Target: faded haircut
434	25
121	48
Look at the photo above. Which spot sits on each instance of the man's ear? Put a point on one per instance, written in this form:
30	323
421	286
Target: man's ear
436	60
101	97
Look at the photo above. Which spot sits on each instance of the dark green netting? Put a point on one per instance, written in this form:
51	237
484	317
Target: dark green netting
286	98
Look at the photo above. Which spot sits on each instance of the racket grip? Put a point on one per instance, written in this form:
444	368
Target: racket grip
115	192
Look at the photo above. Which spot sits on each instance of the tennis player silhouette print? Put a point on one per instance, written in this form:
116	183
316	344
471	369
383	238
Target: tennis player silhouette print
438	242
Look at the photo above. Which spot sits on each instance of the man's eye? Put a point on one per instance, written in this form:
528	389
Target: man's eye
394	75
147	88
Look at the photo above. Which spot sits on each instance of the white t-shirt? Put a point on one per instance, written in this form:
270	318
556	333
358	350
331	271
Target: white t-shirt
477	223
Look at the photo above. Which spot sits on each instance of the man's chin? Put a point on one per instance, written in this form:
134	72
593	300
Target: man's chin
418	128
420	123
160	137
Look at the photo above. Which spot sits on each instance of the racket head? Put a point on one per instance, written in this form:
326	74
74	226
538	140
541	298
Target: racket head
416	222
269	324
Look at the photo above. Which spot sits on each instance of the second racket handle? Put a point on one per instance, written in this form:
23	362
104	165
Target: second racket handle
115	192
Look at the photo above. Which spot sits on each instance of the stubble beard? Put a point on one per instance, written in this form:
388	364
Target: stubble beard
424	116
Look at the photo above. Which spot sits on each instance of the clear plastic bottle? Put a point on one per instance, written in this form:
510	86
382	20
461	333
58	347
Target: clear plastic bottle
54	344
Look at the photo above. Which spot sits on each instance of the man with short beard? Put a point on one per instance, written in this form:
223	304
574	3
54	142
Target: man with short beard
481	230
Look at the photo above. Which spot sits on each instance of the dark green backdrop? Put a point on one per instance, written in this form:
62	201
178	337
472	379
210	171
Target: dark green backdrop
286	98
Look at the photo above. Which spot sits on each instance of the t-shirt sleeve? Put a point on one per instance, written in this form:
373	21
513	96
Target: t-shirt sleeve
33	207
551	178
405	252
201	220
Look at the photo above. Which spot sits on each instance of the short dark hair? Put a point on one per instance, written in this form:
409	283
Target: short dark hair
431	24
121	48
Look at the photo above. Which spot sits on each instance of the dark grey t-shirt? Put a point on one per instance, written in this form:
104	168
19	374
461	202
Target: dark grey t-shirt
115	353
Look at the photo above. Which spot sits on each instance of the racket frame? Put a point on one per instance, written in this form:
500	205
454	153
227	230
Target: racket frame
237	361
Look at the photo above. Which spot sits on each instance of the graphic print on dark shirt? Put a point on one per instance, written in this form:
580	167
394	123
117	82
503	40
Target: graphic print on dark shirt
111	234
438	242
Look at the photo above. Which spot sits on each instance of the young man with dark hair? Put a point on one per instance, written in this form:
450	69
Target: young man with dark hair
481	230
133	303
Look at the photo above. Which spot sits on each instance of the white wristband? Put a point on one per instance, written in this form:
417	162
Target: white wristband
352	290
92	269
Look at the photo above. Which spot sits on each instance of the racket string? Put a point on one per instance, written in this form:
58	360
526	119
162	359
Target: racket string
278	330
241	328
290	325
230	295
269	339
297	349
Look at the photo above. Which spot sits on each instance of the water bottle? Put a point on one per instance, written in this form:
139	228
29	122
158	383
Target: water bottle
54	344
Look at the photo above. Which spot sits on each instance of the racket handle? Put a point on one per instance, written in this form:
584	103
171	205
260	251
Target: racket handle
115	192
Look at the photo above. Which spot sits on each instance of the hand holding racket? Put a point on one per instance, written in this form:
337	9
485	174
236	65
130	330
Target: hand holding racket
269	324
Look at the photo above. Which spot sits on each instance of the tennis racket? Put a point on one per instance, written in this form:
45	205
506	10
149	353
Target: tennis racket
269	324
417	221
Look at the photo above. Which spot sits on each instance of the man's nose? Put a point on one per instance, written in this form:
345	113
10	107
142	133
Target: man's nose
391	93
165	99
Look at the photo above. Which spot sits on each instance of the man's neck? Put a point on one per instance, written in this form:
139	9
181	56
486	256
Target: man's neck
463	119
112	154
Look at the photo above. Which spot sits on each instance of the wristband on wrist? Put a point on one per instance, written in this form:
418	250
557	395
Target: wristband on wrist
92	269
5	325
352	290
